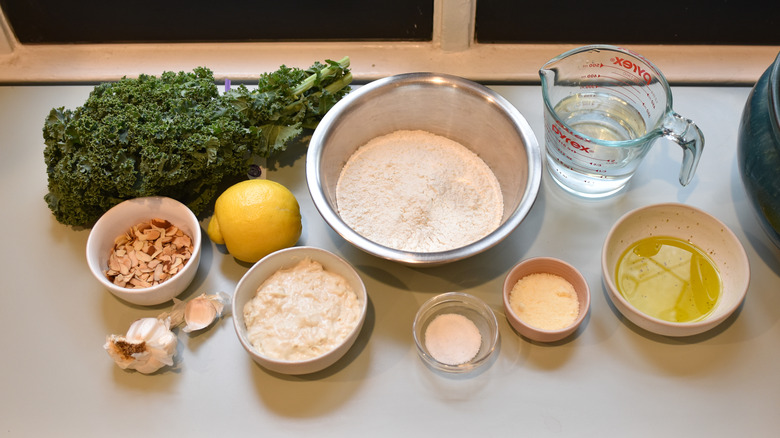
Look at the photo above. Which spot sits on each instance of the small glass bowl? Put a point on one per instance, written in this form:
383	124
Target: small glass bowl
463	304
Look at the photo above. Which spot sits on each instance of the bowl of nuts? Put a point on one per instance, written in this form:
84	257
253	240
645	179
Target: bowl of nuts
145	251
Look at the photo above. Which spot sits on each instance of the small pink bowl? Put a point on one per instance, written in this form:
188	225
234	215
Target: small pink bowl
550	266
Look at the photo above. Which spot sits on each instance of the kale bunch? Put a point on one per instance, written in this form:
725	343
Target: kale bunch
176	136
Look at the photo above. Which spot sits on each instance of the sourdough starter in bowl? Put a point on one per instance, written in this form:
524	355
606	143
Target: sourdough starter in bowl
301	312
417	191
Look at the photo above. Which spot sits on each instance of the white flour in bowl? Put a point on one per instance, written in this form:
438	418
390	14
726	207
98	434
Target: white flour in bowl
420	192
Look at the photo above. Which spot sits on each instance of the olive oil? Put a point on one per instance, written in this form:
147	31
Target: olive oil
669	279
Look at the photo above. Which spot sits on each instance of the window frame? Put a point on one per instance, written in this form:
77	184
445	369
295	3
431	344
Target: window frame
452	50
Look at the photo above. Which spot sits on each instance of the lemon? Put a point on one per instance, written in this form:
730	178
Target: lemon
254	218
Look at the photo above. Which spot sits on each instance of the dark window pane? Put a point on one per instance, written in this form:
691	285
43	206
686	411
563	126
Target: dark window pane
112	21
752	22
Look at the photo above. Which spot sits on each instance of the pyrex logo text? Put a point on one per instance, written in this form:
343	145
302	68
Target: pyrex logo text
628	65
565	139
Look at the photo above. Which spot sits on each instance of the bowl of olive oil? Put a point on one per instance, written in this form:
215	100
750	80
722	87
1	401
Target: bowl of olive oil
674	270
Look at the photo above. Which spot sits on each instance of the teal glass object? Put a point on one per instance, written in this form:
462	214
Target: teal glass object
758	150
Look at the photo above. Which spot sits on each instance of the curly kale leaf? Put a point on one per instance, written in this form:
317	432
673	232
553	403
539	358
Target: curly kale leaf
172	136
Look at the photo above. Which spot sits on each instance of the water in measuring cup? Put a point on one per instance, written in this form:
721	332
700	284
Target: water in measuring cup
601	116
599	170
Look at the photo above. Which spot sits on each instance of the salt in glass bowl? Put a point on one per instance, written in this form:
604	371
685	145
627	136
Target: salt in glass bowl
553	266
124	216
464	304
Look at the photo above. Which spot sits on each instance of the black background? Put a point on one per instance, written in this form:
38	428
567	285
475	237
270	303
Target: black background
751	22
718	22
129	21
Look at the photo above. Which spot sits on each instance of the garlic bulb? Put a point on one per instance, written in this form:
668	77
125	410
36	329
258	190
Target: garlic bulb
148	345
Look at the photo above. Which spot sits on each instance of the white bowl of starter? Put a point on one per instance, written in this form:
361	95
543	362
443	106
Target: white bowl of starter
277	299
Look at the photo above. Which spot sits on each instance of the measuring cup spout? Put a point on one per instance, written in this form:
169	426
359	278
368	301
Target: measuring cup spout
547	76
685	133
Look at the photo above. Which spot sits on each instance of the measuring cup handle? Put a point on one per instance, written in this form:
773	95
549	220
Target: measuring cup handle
686	134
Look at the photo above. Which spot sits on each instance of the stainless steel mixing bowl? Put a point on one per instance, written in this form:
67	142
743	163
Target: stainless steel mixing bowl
450	106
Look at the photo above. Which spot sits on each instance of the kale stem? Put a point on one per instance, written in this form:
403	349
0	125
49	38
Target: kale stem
309	82
331	88
341	83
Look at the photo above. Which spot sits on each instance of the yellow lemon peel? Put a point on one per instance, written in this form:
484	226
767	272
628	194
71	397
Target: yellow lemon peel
254	218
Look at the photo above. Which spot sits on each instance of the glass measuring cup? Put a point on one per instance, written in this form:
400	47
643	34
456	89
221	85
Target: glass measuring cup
604	107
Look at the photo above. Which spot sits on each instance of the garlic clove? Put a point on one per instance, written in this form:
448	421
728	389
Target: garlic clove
220	300
203	310
199	314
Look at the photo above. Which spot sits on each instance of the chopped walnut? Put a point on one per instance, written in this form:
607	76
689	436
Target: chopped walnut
148	254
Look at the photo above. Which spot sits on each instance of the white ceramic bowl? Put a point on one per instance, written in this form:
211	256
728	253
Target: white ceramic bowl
553	266
247	287
124	216
449	106
698	228
462	304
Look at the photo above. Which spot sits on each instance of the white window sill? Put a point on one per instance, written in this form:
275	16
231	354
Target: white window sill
730	65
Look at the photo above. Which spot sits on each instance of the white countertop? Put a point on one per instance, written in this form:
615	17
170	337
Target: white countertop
609	379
